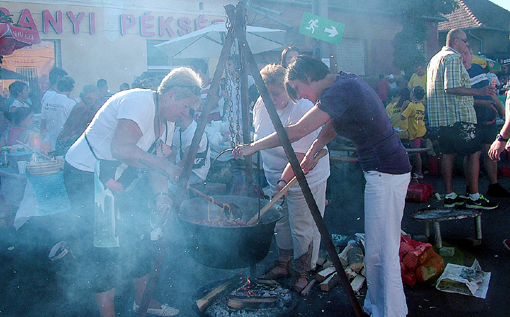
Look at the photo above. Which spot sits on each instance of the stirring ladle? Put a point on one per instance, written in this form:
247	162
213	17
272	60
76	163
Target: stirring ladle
234	210
282	192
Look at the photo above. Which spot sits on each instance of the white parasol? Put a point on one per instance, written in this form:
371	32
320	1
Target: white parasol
208	42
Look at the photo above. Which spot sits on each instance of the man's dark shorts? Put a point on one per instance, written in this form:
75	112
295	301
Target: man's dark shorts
486	133
459	138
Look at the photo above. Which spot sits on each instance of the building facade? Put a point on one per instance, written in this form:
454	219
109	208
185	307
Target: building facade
101	39
115	39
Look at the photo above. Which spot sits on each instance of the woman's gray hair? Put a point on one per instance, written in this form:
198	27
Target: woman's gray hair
184	81
273	75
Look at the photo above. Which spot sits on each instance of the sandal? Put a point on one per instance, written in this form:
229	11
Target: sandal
299	276
280	269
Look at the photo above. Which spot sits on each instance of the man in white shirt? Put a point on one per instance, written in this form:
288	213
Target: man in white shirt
56	109
54	75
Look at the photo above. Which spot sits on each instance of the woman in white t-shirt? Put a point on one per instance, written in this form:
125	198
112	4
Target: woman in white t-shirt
297	235
133	128
19	91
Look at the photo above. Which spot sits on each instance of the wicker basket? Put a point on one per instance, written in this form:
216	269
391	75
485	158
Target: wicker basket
43	167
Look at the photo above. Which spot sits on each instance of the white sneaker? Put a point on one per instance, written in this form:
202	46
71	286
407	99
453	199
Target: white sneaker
58	251
165	310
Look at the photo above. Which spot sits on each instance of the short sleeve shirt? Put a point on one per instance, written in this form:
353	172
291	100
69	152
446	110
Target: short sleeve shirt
445	70
359	115
479	79
274	160
401	126
137	105
420	81
55	110
382	89
415	113
18	104
416	81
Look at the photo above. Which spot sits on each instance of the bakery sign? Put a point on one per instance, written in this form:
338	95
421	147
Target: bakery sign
147	24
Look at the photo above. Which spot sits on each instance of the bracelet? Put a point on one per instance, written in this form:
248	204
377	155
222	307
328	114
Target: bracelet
500	138
161	193
281	180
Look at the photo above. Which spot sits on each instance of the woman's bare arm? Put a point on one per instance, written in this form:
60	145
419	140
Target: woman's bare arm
310	122
125	149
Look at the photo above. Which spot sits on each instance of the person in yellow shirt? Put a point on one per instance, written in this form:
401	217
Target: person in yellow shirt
394	111
414	113
419	78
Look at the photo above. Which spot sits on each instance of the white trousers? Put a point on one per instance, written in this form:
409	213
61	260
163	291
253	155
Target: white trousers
297	229
384	208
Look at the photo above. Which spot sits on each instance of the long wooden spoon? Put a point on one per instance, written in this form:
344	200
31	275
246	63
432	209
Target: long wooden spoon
233	209
282	192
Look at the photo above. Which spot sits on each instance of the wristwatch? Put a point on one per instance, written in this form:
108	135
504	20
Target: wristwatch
500	138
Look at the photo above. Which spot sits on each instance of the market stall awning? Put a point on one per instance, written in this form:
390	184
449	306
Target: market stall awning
9	74
14	37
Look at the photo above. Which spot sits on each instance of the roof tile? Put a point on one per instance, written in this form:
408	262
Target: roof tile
475	14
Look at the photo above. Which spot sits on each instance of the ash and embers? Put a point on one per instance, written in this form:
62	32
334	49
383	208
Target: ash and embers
285	304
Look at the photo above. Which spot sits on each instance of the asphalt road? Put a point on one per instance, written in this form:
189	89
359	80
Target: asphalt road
31	285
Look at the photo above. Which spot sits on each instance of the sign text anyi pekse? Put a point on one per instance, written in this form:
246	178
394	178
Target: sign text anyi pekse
147	25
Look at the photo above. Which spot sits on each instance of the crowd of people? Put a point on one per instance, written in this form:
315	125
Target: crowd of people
123	150
124	130
452	105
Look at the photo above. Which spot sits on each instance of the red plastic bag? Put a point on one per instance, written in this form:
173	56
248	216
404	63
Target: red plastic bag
419	192
418	261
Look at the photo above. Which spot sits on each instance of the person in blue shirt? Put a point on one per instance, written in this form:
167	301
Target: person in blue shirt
346	105
487	108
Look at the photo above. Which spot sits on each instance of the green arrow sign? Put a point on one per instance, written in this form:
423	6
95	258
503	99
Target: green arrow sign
321	28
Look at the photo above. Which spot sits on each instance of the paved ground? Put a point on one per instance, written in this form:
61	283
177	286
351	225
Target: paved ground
30	284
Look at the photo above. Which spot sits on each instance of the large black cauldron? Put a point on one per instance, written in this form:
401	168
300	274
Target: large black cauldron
227	247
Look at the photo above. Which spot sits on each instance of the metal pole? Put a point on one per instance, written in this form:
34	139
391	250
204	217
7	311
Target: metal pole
316	45
240	29
291	155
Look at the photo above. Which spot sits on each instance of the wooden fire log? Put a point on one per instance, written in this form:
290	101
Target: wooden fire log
350	273
327	272
355	259
209	298
343	255
324	274
250	302
308	287
357	283
267	282
332	281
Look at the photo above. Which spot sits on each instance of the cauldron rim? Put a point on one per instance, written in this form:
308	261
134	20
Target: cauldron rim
229	247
